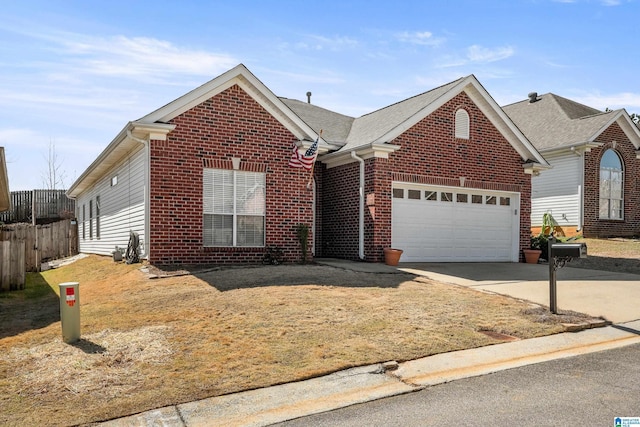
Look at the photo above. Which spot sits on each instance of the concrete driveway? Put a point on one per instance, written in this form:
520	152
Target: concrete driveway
614	296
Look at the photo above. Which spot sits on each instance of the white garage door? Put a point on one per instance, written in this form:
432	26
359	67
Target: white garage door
446	224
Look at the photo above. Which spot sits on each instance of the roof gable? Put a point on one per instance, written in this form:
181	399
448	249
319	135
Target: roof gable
242	77
154	125
553	122
384	125
387	123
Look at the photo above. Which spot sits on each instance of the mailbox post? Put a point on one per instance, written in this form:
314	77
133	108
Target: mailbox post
70	311
559	255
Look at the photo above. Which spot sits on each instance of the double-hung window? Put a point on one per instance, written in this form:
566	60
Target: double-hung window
233	208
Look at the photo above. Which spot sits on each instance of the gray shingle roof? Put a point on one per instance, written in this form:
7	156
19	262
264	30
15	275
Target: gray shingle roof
372	126
335	127
352	133
553	121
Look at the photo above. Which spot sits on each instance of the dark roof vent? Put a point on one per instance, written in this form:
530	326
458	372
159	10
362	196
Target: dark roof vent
533	97
308	97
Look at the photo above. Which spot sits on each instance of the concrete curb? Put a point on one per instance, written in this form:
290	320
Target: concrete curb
284	402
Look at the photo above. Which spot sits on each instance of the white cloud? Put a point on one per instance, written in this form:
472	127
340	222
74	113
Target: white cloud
628	100
476	53
334	43
314	42
424	38
140	57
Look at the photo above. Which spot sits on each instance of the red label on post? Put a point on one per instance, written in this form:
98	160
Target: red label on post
71	297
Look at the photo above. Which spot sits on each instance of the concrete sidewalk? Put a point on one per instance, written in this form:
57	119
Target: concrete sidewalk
615	296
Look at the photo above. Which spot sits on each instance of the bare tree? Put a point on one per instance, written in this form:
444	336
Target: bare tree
54	175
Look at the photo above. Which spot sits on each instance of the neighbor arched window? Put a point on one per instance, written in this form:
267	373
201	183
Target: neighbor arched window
462	124
611	186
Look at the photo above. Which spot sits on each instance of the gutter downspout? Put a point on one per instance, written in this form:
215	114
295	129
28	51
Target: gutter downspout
361	210
581	195
147	192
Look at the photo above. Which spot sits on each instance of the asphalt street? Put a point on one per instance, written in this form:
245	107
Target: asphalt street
587	390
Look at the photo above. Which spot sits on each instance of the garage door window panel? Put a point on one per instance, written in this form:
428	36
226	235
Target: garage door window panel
413	194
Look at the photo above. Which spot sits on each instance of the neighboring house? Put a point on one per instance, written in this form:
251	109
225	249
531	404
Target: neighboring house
5	194
445	176
593	186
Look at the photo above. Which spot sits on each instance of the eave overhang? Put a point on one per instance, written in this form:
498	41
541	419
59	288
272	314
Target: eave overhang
119	148
369	151
577	148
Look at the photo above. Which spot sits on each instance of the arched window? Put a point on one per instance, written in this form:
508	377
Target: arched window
462	124
611	186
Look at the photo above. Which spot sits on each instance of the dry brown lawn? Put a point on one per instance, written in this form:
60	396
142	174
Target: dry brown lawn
148	343
621	254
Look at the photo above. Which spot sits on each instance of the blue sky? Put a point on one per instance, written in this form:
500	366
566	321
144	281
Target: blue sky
73	73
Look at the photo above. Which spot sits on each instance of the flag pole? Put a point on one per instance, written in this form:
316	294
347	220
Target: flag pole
310	183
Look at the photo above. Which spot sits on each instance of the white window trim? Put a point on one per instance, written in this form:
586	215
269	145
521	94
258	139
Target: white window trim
611	198
234	214
462	124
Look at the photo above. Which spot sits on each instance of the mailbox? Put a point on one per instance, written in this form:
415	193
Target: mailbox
568	250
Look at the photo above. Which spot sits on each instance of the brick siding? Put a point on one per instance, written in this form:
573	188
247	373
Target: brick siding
231	124
615	138
430	154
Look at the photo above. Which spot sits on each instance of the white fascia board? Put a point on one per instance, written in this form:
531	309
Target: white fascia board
503	123
627	126
578	148
117	150
374	150
157	131
479	95
533	168
241	76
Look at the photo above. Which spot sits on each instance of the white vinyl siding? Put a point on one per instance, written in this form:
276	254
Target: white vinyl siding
557	190
121	210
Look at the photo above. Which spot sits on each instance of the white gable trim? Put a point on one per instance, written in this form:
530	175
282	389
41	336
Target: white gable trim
242	77
627	126
504	124
478	94
119	148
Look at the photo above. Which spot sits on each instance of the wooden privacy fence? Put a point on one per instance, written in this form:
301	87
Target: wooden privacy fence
29	245
47	205
12	271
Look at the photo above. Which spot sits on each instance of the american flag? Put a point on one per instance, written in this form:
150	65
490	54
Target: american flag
306	160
